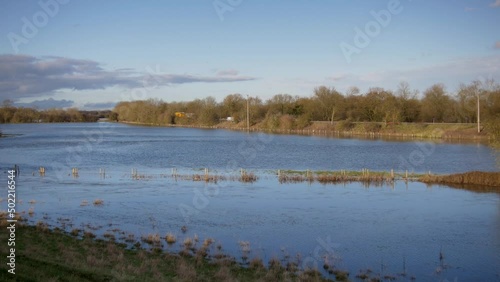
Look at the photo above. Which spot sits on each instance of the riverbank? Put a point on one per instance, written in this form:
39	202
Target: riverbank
445	131
376	129
43	254
474	180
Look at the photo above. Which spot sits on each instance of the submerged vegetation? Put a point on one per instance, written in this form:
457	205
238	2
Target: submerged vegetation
45	254
474	180
49	253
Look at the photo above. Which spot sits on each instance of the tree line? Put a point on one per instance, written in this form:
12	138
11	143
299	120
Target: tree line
435	104
12	114
285	111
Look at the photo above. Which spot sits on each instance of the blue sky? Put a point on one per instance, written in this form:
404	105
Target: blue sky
92	54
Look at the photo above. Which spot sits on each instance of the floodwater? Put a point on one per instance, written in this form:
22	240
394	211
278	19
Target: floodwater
389	229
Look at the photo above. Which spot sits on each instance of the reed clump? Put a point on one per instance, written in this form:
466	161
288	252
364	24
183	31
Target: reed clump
109	236
334	177
470	180
248	177
88	234
256	263
208	178
75	232
98	202
188	243
152	239
42	226
130	238
170	238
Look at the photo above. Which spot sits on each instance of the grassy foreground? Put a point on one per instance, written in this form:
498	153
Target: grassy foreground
51	255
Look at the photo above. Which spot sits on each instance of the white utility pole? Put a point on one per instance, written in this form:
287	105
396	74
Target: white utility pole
478	114
248	113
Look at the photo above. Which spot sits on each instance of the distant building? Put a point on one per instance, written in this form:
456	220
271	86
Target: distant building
184	115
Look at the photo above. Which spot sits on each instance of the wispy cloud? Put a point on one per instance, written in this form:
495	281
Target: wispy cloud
495	4
337	77
451	73
471	9
46	104
99	106
230	72
28	76
168	79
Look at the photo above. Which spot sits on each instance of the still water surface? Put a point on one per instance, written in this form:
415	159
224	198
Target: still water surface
380	228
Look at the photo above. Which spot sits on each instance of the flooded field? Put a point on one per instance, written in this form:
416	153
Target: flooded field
431	233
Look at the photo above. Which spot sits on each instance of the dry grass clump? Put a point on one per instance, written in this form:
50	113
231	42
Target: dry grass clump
207	242
75	232
88	234
202	252
275	264
130	238
109	236
256	263
170	238
184	229
4	216
248	177
208	178
188	243
32	202
98	202
340	275
42	226
152	239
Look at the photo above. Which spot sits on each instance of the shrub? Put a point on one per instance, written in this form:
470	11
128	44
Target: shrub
372	127
344	125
